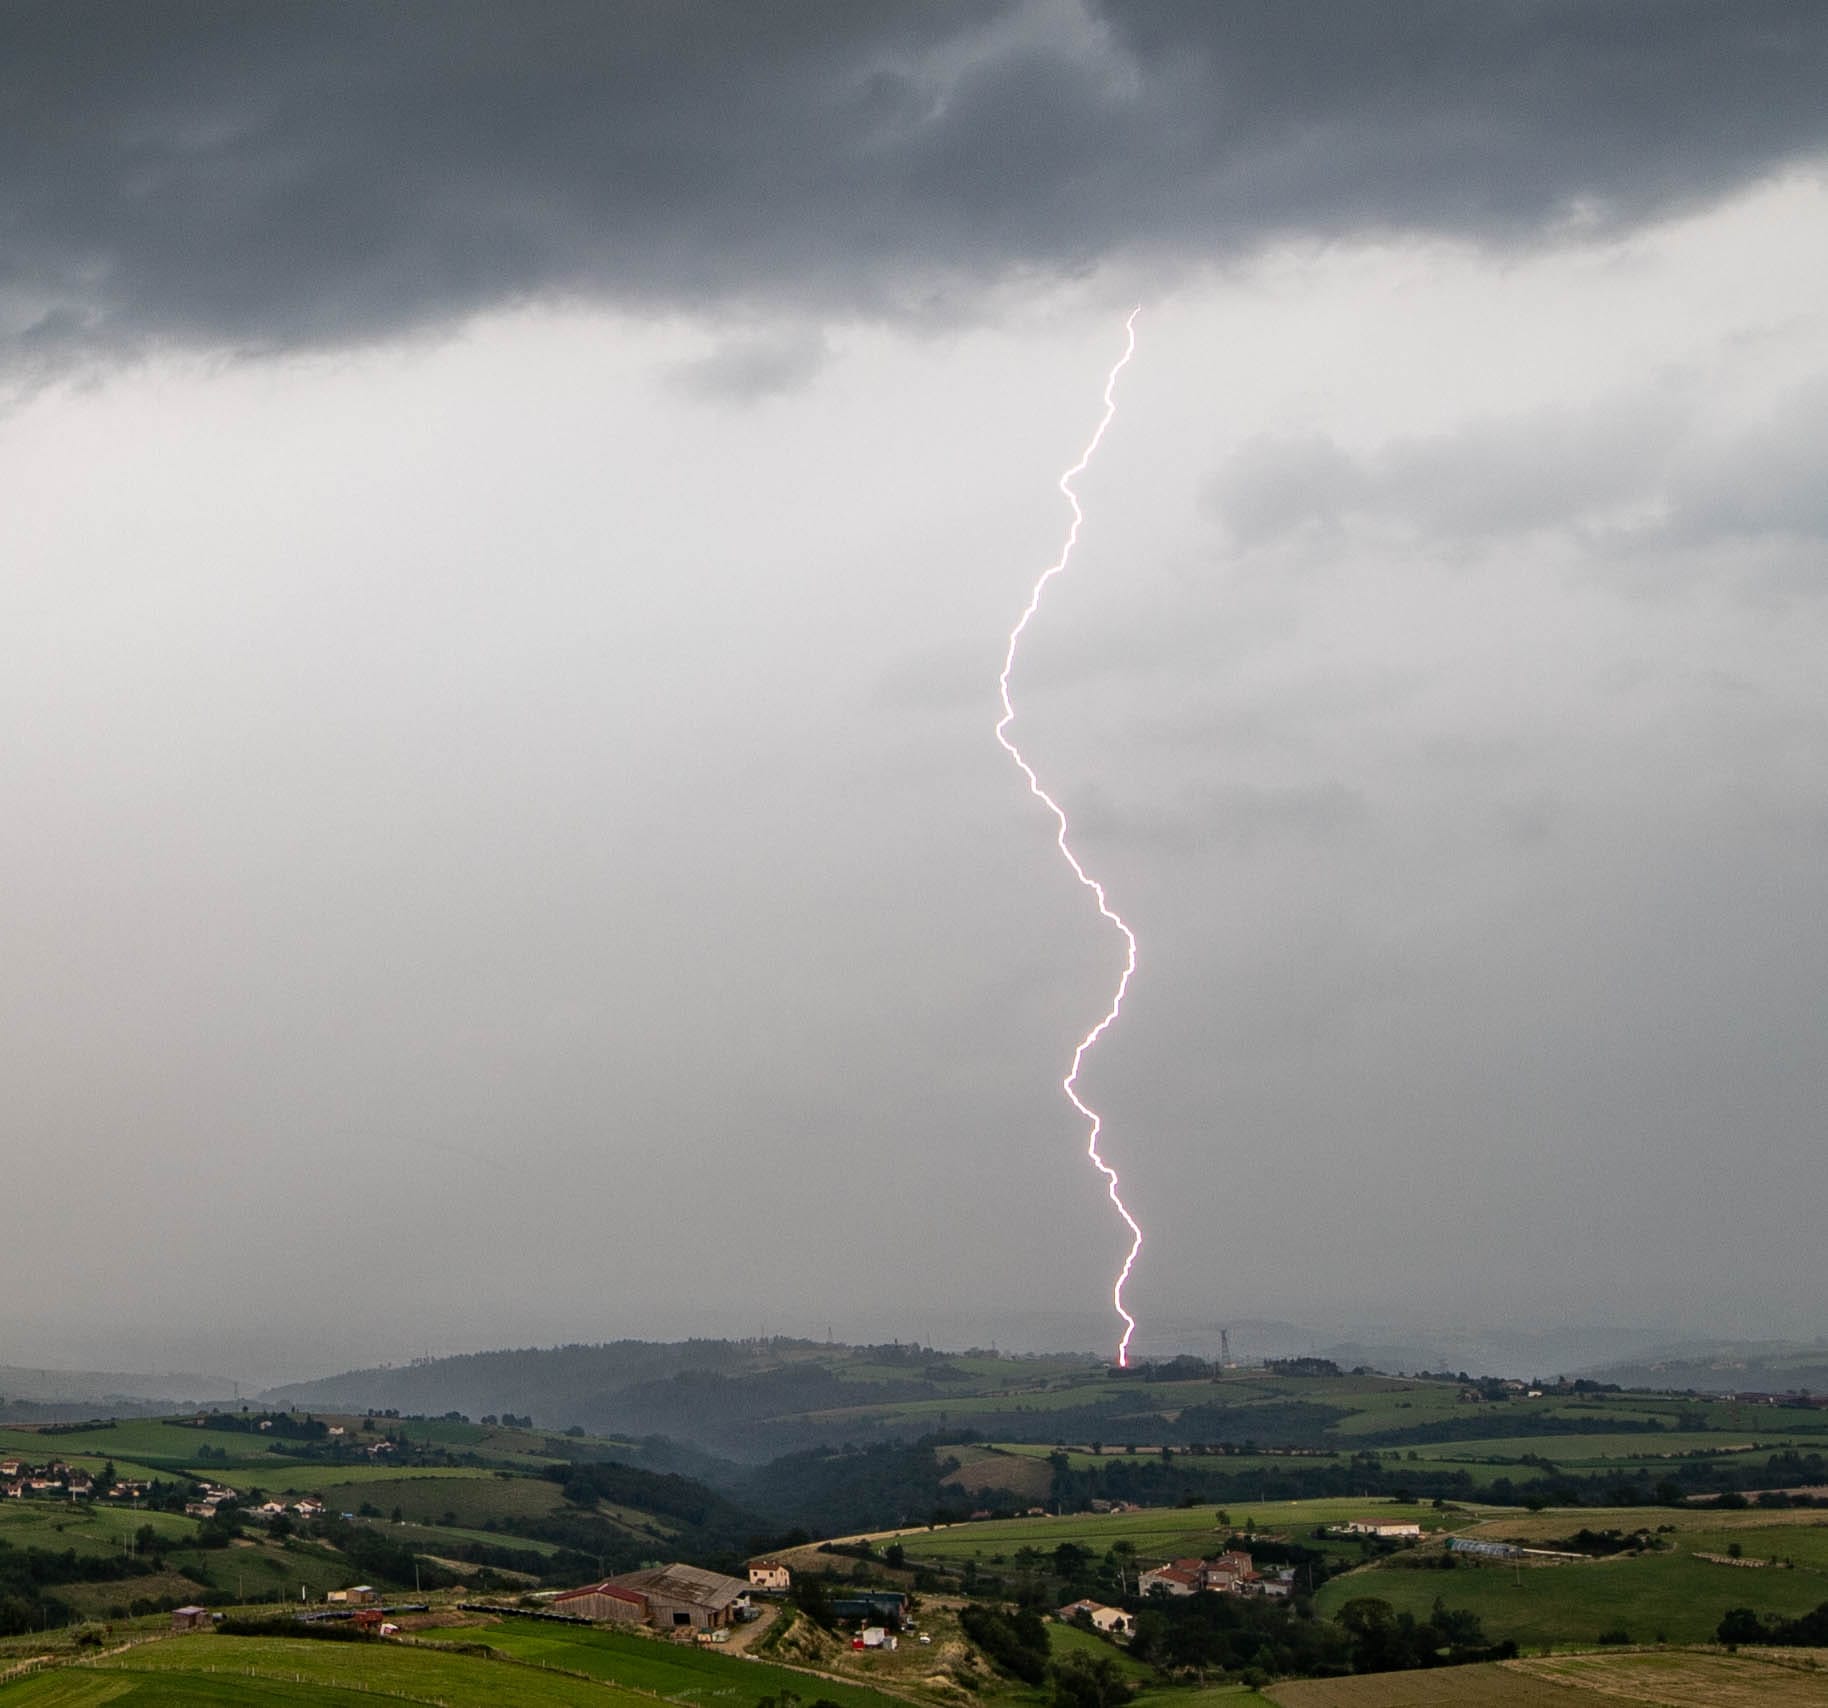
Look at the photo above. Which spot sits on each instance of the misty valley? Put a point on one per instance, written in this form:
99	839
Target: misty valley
803	1522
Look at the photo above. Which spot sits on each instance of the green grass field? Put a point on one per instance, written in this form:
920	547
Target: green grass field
438	1538
208	1668
675	1672
143	1441
506	1443
1228	1464
952	1406
289	1476
255	1573
472	1497
1213	1696
1673	1597
1537	1527
1574	1451
1160	1533
1632	1679
1065	1640
87	1527
1805	1544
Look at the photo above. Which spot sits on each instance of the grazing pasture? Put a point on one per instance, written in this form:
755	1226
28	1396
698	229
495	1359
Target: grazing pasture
676	1672
88	1528
1670	1597
1674	1678
425	1497
207	1668
158	1442
1160	1533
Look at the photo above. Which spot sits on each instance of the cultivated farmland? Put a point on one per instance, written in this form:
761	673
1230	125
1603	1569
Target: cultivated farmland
1661	1679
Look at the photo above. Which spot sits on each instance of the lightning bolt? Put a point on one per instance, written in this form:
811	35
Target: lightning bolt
1071	1082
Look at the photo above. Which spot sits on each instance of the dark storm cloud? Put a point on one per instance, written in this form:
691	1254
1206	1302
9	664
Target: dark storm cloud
257	175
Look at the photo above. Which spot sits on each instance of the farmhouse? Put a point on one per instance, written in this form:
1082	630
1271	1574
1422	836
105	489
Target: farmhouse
604	1604
770	1575
192	1618
1230	1574
1384	1529
1112	1621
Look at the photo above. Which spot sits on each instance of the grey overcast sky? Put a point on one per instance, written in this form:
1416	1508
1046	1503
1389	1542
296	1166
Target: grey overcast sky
511	519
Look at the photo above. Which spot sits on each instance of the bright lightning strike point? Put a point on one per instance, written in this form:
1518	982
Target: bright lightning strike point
1071	1082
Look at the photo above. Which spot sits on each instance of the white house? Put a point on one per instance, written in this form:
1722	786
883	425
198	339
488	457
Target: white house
1112	1621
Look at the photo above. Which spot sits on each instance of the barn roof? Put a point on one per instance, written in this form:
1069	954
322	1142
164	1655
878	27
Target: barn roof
690	1584
613	1590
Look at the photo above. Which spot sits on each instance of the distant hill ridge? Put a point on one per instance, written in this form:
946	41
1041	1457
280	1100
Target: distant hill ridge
1725	1366
712	1392
34	1394
37	1382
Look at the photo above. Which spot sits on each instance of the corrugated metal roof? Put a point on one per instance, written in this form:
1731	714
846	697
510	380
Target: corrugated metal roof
691	1584
613	1590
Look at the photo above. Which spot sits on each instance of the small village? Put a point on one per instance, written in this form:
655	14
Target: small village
20	1479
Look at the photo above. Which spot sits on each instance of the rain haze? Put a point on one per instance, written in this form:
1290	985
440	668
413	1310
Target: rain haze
512	515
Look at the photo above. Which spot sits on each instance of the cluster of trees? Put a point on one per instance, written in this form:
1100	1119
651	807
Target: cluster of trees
1806	1631
1237	1636
1016	1642
706	1526
1012	1640
1259	1639
716	1518
374	1554
1184	1368
832	1490
1383	1640
1606	1542
323	1630
27	1574
1191	1477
